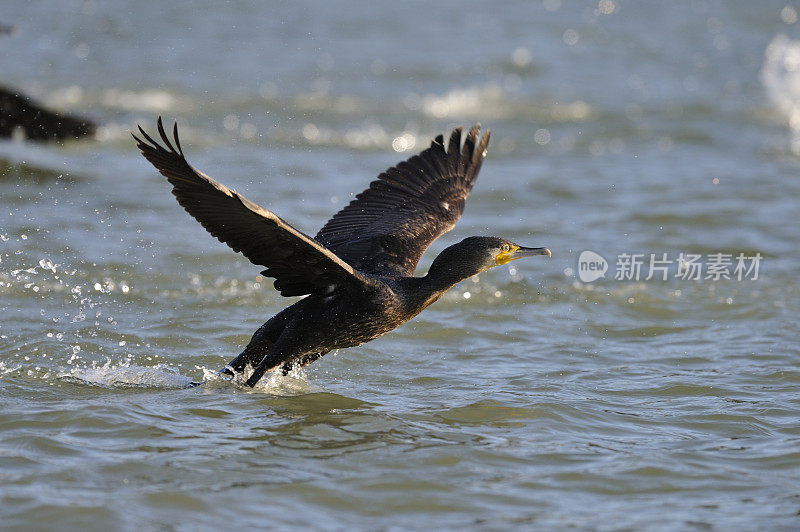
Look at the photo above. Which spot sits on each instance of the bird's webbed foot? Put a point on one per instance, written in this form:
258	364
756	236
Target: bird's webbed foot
299	362
285	368
265	365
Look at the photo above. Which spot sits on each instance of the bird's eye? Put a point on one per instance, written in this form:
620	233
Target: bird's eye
506	248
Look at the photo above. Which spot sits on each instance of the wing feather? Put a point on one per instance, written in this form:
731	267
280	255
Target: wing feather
299	264
386	228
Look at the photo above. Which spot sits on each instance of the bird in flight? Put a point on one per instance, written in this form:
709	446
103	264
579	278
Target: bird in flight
358	271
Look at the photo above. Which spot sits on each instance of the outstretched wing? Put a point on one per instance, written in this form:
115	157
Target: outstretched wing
298	263
387	228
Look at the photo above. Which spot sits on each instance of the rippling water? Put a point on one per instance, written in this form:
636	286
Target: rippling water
525	397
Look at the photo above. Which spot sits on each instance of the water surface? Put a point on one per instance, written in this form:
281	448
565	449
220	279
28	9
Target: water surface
525	397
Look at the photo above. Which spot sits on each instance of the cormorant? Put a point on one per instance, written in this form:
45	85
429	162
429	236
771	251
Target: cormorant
18	112
358	271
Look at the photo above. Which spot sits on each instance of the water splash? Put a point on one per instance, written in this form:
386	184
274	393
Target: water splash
274	383
9	368
780	75
126	375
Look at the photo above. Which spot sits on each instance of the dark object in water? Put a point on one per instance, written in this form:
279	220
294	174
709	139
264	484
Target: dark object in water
358	271
18	112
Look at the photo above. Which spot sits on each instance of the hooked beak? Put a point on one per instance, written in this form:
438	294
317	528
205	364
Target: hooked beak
519	252
529	252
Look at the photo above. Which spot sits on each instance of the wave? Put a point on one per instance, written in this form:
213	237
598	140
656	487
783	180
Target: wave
317	117
780	75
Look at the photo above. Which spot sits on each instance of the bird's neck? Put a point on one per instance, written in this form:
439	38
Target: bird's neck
443	275
419	292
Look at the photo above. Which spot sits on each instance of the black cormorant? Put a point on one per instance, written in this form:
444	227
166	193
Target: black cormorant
358	271
20	113
34	122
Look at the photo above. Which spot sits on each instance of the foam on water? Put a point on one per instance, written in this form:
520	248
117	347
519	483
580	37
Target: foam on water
147	99
493	101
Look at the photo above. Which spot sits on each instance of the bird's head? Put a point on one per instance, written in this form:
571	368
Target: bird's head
477	254
491	251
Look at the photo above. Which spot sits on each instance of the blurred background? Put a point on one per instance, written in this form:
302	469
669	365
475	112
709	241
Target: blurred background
525	397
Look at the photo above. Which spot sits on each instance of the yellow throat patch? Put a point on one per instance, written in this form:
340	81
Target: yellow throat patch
506	256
